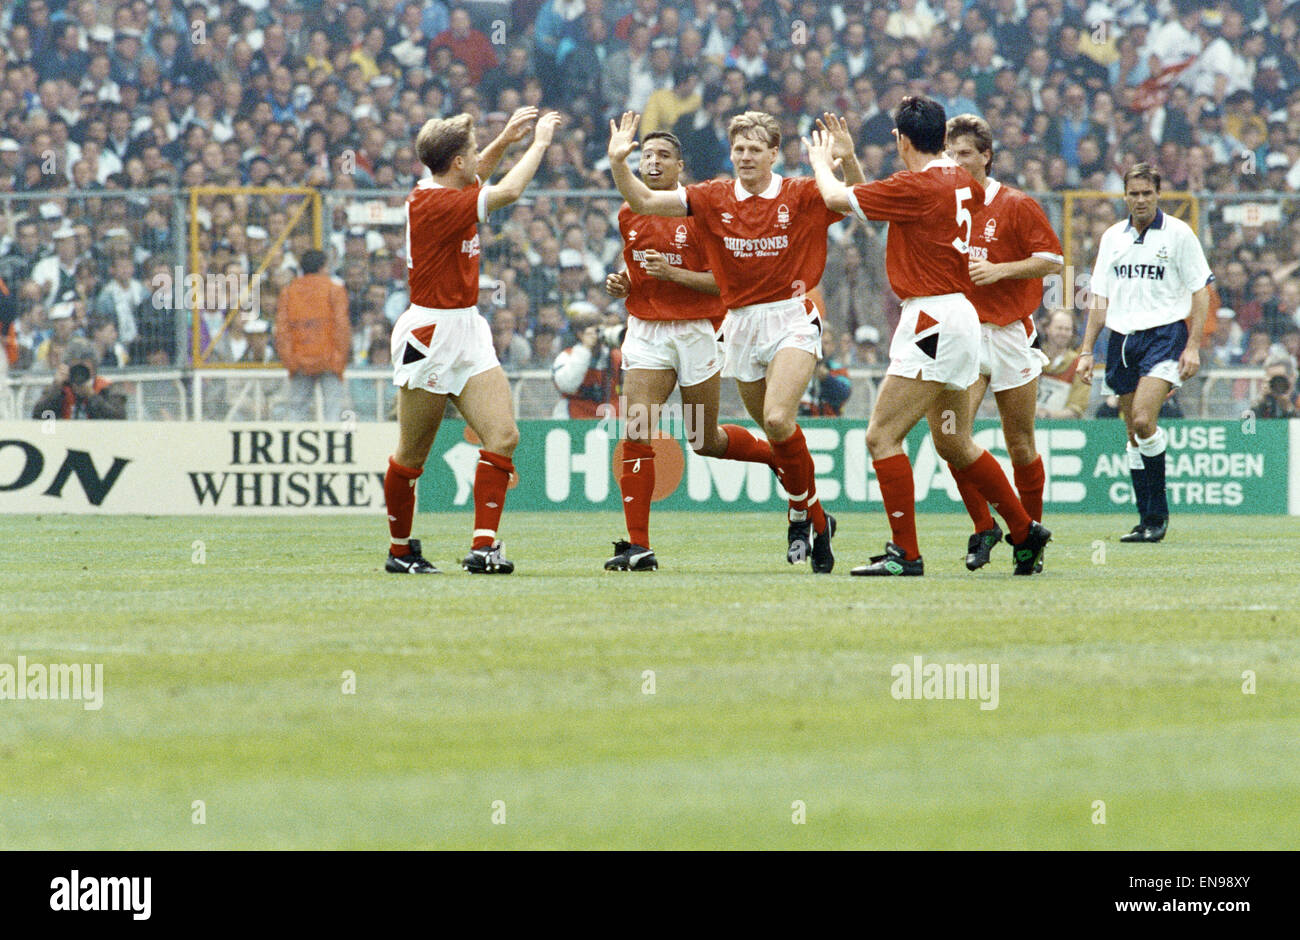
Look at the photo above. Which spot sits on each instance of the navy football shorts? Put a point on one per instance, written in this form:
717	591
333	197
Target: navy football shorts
1151	352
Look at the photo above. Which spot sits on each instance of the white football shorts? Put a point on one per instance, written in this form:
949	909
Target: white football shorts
440	350
938	339
1008	356
753	335
688	347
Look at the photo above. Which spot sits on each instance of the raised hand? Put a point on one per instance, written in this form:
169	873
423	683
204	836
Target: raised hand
546	128
517	127
622	136
838	130
820	148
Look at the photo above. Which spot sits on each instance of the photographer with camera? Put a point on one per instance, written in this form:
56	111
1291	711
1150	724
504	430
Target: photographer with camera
1279	396
79	391
587	373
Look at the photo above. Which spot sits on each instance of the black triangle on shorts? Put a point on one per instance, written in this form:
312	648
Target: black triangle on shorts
929	345
412	354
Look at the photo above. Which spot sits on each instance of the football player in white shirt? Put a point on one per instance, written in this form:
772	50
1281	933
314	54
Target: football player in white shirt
1150	273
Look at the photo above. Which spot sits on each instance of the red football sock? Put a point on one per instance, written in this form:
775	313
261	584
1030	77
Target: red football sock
894	474
637	484
976	504
795	468
741	445
399	497
1029	484
994	486
490	481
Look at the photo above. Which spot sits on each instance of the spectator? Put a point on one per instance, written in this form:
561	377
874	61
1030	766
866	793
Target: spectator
57	274
314	337
258	343
867	346
466	44
121	297
1278	400
110	353
829	388
1062	393
665	106
375	399
587	373
49	353
1225	341
703	133
78	391
543	345
912	20
511	348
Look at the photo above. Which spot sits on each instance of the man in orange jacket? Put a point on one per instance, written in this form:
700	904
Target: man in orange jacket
313	338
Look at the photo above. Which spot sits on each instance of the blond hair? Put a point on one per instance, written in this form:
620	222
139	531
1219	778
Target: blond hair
441	140
755	124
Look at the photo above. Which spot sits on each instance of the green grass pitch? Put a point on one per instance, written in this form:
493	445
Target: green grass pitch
524	698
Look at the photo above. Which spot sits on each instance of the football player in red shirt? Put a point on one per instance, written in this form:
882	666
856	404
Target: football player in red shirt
934	355
442	347
1013	247
765	240
674	314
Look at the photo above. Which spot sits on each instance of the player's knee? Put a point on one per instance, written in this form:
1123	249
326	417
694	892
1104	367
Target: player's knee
778	423
878	442
953	448
503	442
1144	425
1021	450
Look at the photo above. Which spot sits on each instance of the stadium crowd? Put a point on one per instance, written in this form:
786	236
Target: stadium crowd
109	108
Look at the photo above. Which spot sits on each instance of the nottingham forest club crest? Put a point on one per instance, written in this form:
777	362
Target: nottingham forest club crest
989	227
679	237
783	216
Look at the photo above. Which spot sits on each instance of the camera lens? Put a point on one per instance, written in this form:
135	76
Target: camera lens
1279	383
78	374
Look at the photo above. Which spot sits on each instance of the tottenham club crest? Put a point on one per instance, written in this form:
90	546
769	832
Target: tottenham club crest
1163	254
989	227
680	236
783	216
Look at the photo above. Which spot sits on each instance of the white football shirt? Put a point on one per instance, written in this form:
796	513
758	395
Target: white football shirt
1149	280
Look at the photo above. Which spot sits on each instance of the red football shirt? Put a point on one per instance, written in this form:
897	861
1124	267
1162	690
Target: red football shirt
762	248
930	226
678	240
1011	227
442	249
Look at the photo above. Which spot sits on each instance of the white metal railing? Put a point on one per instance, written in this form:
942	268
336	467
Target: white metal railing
261	394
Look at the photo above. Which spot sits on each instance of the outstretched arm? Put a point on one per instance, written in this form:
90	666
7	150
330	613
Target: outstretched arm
1096	320
834	193
842	151
640	197
521	174
516	129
